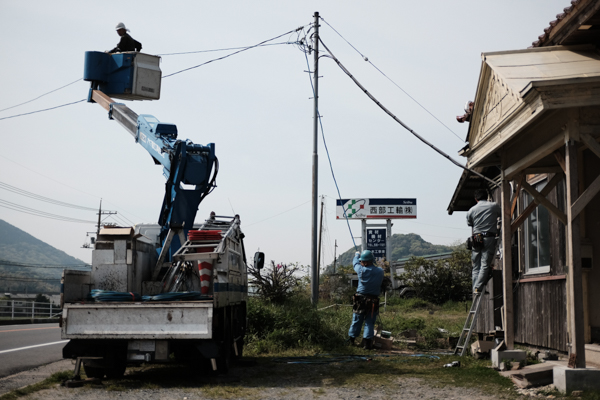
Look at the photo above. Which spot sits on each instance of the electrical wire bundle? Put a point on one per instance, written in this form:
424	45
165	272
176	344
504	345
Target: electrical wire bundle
108	295
177	296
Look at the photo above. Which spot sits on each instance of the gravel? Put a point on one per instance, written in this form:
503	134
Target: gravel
312	383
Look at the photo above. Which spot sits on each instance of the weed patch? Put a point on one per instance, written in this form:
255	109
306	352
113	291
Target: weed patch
54	379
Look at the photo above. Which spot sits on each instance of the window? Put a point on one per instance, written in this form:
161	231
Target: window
537	236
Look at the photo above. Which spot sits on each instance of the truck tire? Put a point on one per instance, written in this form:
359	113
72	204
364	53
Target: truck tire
93	372
224	360
115	361
117	371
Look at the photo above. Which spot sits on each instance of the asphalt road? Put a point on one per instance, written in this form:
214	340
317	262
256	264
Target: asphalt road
27	346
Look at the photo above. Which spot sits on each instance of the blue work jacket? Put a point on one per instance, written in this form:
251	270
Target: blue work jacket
369	278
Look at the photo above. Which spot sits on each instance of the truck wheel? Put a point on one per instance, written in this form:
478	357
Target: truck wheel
116	363
94	372
116	371
223	361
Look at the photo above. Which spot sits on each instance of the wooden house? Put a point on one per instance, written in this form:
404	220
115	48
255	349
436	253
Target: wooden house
534	130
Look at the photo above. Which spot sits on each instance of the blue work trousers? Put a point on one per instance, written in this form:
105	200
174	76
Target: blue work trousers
357	322
482	262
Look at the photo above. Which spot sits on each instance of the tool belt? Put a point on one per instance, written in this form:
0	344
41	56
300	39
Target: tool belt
475	242
365	304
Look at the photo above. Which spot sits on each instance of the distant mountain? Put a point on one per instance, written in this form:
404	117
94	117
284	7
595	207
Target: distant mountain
28	264
402	246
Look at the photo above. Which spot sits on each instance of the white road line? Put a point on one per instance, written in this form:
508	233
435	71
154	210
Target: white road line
31	347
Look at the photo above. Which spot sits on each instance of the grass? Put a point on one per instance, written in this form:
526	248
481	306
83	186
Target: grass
296	329
47	383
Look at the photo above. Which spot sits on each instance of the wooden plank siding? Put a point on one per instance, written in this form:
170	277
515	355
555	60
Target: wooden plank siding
541	314
540	309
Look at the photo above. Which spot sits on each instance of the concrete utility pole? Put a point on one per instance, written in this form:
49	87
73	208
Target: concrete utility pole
314	286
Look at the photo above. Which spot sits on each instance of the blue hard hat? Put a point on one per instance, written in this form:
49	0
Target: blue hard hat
367	256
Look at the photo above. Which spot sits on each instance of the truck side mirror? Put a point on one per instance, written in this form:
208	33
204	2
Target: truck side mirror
259	260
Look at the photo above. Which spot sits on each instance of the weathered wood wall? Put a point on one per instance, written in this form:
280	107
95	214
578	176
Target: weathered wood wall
541	314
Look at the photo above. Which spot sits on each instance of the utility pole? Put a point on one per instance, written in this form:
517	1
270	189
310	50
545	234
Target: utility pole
314	284
334	256
100	214
320	240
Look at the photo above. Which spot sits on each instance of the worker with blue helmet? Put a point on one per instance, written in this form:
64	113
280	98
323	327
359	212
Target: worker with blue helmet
365	305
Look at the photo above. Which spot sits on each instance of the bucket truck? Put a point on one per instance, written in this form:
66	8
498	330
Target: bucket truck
175	290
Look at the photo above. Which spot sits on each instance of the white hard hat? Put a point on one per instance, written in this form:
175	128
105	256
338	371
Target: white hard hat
121	25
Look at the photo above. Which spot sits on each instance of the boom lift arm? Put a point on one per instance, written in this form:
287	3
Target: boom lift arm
186	166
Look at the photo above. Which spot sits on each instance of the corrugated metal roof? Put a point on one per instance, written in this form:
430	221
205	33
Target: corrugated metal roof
517	69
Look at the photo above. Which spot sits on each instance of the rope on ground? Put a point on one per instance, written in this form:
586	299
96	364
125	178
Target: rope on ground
343	358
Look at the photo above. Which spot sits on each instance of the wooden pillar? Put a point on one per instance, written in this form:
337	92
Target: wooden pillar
508	322
574	290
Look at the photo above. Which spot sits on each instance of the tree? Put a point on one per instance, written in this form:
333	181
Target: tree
441	280
40	298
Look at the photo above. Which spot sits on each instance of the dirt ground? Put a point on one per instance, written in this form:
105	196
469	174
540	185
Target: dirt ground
249	380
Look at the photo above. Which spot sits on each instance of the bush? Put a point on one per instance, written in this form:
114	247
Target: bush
442	280
276	283
296	323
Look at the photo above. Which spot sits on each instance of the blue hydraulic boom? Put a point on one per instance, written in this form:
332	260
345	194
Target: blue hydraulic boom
190	169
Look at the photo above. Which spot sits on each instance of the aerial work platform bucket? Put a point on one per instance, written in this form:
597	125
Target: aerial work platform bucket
128	76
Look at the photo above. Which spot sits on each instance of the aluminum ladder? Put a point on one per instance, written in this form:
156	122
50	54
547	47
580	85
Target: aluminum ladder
469	323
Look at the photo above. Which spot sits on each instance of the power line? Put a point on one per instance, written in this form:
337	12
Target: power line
64	184
34	196
388	112
388	78
276	215
44	265
18	279
225	49
46	109
38	213
42	95
234	53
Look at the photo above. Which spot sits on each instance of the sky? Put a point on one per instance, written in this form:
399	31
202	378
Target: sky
255	106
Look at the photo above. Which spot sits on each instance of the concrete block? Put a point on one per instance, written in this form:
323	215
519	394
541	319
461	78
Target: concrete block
482	346
499	356
568	379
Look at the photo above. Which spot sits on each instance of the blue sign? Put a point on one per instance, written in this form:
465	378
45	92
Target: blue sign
376	242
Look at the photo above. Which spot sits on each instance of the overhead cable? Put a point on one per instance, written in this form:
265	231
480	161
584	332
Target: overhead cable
50	266
234	53
70	187
42	95
225	49
46	109
388	112
34	196
395	84
19	279
276	215
38	213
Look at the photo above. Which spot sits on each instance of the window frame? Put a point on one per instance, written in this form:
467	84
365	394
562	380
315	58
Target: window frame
537	184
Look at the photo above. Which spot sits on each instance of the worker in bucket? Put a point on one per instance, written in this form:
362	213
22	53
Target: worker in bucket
365	303
483	217
127	43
